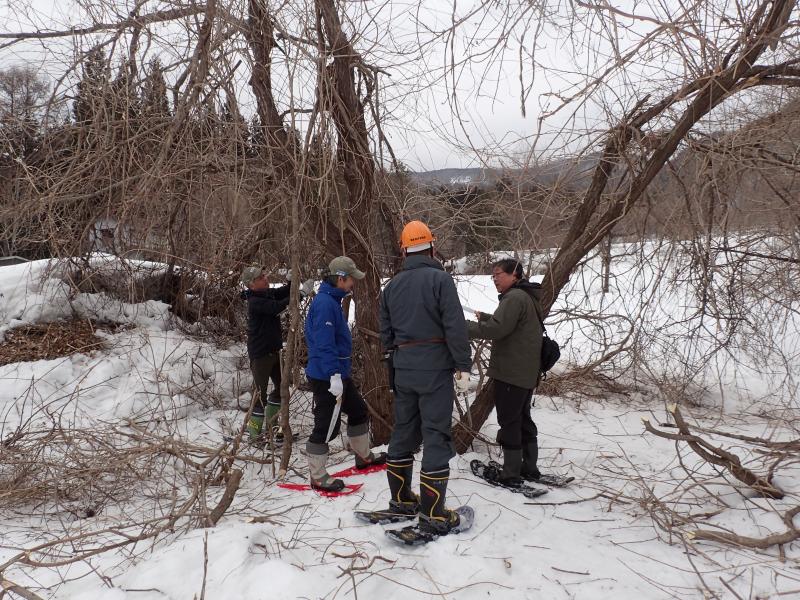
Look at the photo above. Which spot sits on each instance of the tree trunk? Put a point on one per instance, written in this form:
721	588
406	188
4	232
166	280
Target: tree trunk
261	40
367	348
337	93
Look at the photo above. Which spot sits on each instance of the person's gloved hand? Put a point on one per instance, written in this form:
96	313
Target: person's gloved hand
307	288
462	381
336	387
289	276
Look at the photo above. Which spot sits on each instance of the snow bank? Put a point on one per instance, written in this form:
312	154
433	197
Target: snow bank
35	292
595	539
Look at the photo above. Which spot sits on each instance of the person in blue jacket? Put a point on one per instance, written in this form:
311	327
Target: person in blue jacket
329	345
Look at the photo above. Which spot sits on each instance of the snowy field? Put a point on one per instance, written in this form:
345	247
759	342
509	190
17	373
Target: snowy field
621	530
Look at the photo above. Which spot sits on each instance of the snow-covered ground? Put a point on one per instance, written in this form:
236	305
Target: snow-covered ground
614	533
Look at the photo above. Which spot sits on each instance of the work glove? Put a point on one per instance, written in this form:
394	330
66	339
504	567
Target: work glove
462	381
336	387
307	288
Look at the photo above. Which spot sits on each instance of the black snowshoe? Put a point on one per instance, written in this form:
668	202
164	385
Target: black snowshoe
491	474
543	479
413	535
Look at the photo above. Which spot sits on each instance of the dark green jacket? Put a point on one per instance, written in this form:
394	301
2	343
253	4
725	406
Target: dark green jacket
516	335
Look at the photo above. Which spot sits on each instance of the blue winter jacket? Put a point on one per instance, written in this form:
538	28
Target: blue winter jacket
327	335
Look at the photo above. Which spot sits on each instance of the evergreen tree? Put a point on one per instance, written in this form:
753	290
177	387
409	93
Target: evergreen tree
22	96
125	101
255	135
155	102
90	97
234	127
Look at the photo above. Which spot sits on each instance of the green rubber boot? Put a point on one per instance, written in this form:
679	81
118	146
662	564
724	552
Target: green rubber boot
254	426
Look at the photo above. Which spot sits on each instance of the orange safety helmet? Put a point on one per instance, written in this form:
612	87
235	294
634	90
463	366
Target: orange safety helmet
416	236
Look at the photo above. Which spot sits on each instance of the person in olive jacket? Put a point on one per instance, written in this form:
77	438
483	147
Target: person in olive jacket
515	331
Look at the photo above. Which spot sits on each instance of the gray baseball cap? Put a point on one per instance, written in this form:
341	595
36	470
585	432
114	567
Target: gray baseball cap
249	274
344	266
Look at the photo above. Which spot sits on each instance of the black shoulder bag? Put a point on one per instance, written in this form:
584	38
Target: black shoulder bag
551	351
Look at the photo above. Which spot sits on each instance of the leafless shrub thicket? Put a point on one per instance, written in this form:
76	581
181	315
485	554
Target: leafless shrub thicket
697	178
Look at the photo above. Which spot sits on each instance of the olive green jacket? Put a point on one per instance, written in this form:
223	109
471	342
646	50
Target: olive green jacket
516	335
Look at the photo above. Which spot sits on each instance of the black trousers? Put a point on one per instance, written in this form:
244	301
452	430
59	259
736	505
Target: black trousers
513	404
265	368
353	406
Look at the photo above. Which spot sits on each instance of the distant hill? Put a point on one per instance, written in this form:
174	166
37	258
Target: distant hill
455	177
575	171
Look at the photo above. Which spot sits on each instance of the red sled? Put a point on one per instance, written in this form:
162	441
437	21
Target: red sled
349	488
355	471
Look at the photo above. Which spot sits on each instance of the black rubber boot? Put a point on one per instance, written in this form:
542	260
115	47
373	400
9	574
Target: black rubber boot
433	516
530	454
512	467
399	473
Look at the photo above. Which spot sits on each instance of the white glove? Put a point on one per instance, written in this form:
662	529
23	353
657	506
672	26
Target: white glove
337	387
289	276
462	382
307	288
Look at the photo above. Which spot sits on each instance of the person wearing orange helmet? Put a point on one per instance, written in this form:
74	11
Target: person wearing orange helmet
422	325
